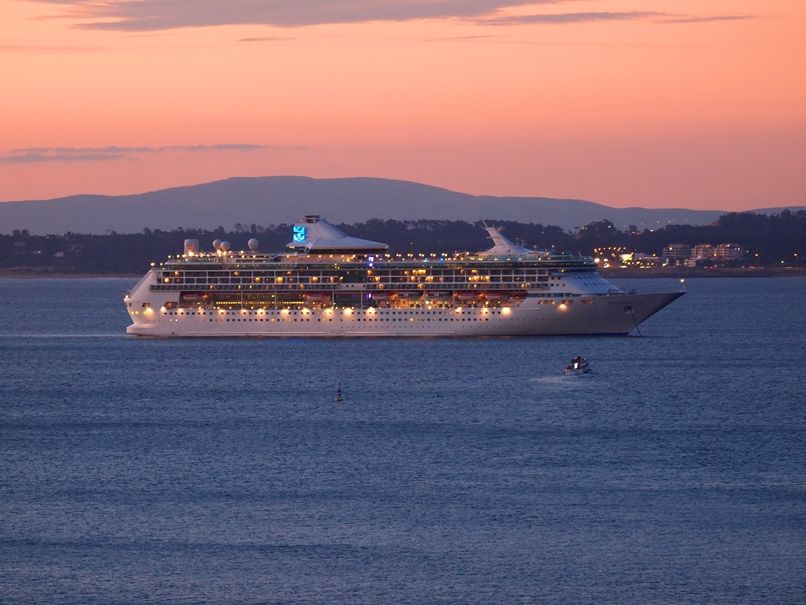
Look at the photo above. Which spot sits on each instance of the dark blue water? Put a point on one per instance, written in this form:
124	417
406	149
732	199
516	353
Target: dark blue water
455	471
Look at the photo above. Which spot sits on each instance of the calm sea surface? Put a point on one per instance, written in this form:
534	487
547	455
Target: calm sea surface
455	471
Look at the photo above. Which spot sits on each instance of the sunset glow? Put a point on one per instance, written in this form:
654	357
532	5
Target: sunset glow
626	102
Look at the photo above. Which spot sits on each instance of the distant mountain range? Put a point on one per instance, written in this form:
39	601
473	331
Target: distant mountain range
283	199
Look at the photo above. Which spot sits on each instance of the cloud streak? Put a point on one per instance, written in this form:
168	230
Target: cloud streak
34	158
265	39
589	17
565	18
706	18
29	155
150	15
146	15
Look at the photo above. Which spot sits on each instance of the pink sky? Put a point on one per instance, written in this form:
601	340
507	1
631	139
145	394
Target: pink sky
626	102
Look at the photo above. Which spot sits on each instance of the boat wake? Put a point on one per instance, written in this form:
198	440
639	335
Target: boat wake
565	381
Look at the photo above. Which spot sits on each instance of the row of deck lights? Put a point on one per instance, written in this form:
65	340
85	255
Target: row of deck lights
329	311
376	280
349	258
244	254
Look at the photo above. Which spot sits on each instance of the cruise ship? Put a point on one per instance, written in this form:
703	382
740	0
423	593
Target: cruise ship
327	283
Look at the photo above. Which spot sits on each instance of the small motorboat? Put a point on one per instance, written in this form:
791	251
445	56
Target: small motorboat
338	394
578	365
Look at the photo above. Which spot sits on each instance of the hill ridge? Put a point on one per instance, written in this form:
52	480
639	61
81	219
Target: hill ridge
283	198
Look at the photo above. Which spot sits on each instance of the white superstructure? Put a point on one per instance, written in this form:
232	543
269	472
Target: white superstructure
330	284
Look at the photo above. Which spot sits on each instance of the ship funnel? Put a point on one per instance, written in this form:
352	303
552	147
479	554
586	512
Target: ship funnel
503	246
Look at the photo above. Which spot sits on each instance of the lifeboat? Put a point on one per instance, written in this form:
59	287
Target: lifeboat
467	295
438	295
410	295
193	297
382	296
495	295
318	297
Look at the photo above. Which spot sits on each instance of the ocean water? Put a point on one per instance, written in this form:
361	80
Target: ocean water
455	471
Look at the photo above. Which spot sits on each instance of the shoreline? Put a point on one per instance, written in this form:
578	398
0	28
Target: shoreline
4	274
676	272
682	272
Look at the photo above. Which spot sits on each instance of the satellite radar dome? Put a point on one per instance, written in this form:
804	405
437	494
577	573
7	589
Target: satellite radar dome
191	246
216	244
253	244
225	247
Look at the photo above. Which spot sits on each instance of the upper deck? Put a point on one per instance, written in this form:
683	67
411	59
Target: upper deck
374	271
256	261
320	257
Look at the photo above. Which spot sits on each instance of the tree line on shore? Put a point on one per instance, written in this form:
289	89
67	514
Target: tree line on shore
767	239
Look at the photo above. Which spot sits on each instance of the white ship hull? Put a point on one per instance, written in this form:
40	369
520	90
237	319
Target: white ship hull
602	314
333	285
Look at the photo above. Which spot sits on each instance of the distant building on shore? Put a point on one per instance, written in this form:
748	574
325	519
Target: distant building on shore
720	255
677	252
640	260
702	252
728	252
608	256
